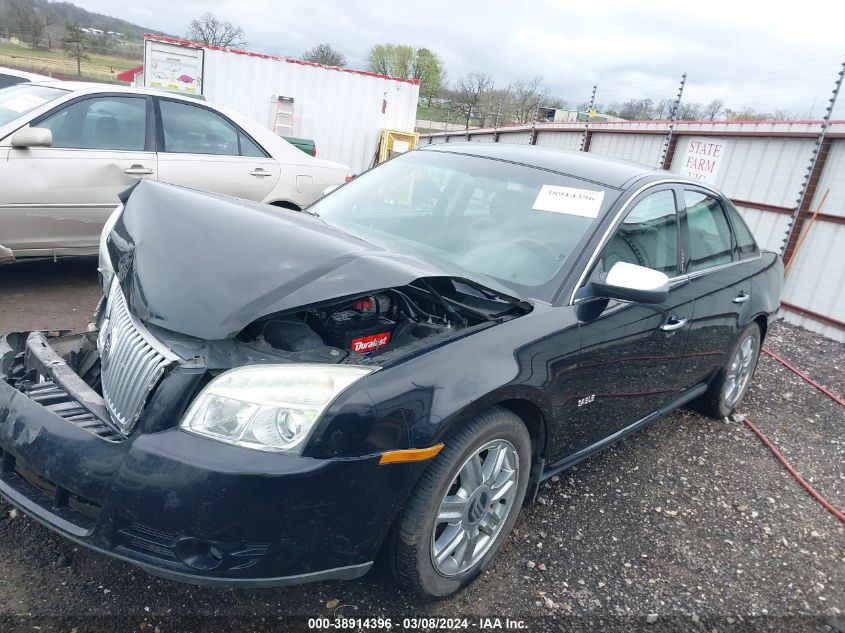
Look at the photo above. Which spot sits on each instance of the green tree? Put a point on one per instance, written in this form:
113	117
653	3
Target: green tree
77	43
325	54
409	62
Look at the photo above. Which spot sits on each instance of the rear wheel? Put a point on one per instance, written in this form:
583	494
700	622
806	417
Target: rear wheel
464	506
729	386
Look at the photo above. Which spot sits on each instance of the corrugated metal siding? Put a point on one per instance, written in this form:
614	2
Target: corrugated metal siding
522	138
765	170
833	178
341	111
816	278
769	229
482	138
559	140
639	148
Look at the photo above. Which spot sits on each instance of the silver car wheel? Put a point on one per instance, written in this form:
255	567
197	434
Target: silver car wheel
739	371
475	507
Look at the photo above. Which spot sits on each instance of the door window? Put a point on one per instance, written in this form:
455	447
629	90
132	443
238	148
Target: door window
648	236
709	231
109	123
190	129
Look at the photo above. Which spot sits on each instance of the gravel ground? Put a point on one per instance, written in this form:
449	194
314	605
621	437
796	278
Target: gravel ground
690	520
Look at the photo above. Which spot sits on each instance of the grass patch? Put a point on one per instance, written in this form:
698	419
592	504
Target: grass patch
57	62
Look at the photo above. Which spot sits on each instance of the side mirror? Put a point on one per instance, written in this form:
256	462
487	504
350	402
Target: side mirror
629	282
32	137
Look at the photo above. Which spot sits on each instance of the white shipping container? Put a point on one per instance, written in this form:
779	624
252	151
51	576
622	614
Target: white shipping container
341	109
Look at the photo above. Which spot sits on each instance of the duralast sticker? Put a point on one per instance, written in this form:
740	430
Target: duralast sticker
569	200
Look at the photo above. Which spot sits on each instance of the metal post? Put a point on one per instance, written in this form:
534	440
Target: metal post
673	113
818	157
584	136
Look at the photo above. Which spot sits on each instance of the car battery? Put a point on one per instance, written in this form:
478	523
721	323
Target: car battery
360	332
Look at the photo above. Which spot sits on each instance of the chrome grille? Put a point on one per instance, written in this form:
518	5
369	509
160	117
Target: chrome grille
132	361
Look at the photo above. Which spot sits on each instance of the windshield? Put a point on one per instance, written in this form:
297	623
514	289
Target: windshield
487	218
17	100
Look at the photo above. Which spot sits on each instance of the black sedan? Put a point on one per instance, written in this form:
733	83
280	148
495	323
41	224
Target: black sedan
273	397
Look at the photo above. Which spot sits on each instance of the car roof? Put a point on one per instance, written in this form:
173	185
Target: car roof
607	171
89	87
13	72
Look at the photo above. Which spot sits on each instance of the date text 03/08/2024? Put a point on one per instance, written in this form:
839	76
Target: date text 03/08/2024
412	624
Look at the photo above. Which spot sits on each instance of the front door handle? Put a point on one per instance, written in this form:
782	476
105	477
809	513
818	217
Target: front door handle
674	323
741	297
260	172
137	170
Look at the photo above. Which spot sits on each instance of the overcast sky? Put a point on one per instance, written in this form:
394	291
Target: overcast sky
757	54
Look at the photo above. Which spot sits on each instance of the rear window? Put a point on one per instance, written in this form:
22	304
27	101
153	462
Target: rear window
10	80
745	243
18	100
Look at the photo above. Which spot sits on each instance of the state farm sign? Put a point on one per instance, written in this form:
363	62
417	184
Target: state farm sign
702	158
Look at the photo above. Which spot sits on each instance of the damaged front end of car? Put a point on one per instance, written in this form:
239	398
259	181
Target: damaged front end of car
206	427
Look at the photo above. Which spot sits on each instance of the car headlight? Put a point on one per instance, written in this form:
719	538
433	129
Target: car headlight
268	407
104	266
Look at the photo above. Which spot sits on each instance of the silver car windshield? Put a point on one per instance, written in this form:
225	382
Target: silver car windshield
489	219
17	100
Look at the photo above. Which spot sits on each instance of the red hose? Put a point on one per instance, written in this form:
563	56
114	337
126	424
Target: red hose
813	493
801	374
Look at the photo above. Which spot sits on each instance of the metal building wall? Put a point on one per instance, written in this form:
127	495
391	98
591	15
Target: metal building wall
341	111
639	148
833	178
560	140
816	279
763	170
521	138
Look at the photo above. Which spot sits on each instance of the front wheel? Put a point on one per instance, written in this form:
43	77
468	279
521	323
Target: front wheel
729	386
464	506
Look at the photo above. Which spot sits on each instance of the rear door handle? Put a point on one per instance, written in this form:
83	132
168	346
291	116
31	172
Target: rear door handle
137	170
260	172
674	323
741	298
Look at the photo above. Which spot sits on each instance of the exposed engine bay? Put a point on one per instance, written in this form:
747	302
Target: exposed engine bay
370	325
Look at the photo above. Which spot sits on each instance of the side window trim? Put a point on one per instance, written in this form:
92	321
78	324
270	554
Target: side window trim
238	129
149	140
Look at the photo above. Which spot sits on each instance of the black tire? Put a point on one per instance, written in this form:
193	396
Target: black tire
713	402
410	551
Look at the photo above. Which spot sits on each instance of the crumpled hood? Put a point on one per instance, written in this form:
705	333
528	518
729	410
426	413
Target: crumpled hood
208	265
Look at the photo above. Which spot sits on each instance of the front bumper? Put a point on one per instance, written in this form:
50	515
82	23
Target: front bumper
179	505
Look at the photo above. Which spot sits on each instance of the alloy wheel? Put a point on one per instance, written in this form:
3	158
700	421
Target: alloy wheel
740	370
475	507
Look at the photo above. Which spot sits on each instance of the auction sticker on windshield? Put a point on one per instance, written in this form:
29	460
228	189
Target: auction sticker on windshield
569	200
